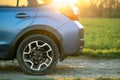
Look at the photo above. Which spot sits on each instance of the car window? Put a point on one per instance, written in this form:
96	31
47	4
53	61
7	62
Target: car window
33	3
23	3
8	3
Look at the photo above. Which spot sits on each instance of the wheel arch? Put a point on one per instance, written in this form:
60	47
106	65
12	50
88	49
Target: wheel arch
37	29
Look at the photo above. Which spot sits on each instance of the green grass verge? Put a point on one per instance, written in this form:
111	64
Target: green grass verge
77	79
98	53
102	37
5	79
71	79
101	33
97	79
42	79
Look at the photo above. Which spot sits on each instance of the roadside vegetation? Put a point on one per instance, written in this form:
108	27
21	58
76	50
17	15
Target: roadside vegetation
78	79
71	79
99	8
102	37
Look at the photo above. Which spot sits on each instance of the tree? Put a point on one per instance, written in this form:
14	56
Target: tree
99	8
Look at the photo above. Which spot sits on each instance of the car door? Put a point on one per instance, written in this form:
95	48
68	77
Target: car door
15	15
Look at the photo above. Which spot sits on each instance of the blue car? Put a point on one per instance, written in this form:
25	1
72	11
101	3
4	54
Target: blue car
38	33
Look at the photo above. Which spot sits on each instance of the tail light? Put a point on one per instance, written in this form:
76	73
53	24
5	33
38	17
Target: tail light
66	8
69	12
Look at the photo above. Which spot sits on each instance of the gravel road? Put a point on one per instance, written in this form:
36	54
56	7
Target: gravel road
69	68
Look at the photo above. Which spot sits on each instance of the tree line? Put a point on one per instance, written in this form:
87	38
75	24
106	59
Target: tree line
99	8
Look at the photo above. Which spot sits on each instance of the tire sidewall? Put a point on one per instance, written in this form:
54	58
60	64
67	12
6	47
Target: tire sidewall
25	42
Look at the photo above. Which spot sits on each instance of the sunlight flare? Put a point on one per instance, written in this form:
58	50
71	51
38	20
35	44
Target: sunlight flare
63	2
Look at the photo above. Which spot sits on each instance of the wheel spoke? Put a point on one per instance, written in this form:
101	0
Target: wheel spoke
29	46
37	43
29	62
48	54
42	64
43	45
26	53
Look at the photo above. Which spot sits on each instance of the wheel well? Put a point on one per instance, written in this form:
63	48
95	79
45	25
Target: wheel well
44	32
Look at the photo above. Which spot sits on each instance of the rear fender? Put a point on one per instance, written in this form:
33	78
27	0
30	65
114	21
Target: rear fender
29	31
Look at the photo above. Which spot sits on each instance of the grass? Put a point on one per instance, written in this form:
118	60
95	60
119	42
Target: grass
70	79
77	79
98	53
5	79
97	79
102	37
42	79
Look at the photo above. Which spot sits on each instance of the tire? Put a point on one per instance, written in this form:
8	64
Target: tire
37	54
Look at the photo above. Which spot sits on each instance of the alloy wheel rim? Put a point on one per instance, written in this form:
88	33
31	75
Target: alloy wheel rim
38	55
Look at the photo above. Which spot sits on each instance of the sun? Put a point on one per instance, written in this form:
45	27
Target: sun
64	1
60	3
72	1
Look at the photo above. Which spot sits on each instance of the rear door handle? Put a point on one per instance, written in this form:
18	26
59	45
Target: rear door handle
21	15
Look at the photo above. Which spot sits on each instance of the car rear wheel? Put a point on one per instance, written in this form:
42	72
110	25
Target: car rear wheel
37	54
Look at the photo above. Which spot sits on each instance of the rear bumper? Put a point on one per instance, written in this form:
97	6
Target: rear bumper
80	48
73	39
81	40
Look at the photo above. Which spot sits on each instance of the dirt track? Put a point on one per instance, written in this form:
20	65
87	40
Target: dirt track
71	67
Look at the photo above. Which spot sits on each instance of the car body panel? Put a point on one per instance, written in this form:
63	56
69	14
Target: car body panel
10	26
45	17
70	32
